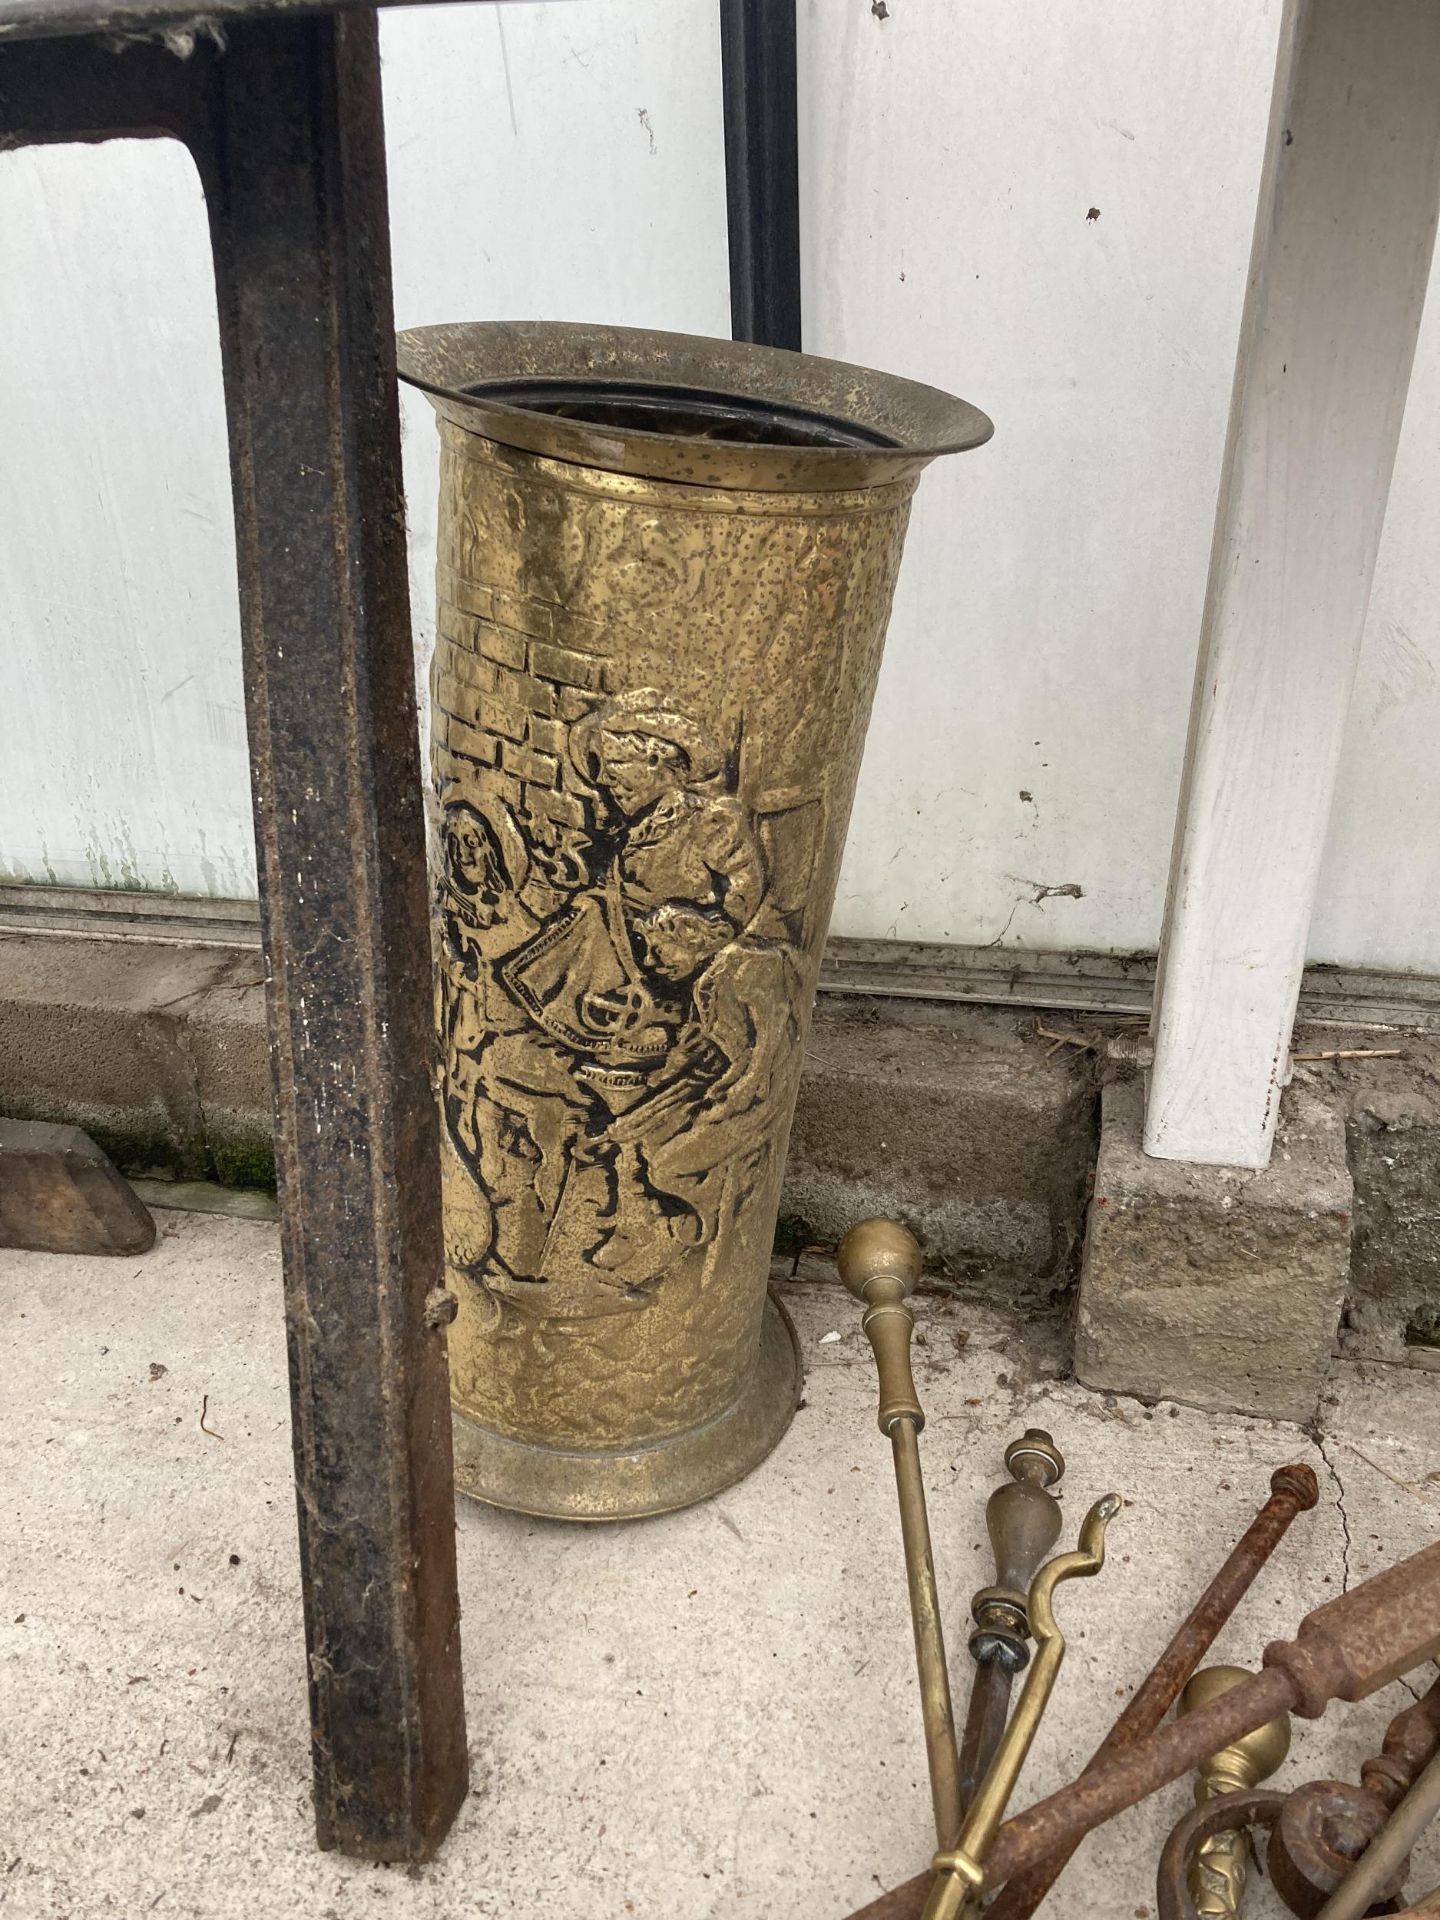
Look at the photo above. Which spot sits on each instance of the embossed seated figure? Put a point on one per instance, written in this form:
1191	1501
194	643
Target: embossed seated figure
684	834
676	833
646	1226
702	1140
605	1008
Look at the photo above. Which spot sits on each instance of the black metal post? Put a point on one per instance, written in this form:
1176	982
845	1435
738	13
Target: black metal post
762	169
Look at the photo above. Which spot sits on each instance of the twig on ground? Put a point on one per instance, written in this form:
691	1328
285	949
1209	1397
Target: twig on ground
1353	1053
1085	1041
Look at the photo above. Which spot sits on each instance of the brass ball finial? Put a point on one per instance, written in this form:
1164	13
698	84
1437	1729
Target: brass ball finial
1254	1757
1218	1870
873	1249
879	1262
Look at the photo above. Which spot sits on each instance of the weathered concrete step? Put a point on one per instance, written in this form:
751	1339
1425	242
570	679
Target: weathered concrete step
158	1051
957	1118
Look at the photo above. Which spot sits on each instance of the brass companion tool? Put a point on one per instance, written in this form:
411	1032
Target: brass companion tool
959	1871
1293	1490
1023	1519
879	1263
1220	1866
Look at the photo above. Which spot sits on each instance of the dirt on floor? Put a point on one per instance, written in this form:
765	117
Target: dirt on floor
712	1714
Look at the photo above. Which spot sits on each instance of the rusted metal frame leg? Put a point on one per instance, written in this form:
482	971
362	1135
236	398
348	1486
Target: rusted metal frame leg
294	174
85	89
286	131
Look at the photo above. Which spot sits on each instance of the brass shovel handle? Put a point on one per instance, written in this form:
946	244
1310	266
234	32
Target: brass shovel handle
959	1872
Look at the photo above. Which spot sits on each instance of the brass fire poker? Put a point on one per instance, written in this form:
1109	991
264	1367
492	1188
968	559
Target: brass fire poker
1220	1865
960	1872
1023	1518
879	1263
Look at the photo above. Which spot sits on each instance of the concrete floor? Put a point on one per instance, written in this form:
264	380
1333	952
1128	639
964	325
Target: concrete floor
712	1714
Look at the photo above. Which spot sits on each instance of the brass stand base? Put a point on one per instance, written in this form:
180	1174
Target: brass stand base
565	1484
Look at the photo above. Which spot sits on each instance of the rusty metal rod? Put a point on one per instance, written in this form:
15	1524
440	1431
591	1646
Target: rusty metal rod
1345	1650
1293	1490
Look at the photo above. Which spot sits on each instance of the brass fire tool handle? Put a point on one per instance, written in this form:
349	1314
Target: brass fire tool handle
1220	1865
960	1871
1023	1518
880	1263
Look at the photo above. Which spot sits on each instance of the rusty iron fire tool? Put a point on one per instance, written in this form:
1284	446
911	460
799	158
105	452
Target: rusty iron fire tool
1293	1490
1389	1853
1023	1520
1317	1831
1345	1650
1325	1825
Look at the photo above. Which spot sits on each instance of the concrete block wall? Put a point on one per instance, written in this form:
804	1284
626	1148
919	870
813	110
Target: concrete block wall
962	1120
958	1120
157	1051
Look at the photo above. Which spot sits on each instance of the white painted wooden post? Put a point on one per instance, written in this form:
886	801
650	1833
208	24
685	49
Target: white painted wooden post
1343	239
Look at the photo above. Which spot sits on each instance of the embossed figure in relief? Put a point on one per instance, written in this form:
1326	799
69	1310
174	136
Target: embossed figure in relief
609	1079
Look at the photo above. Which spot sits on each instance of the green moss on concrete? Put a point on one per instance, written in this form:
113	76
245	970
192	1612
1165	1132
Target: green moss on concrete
144	1153
243	1163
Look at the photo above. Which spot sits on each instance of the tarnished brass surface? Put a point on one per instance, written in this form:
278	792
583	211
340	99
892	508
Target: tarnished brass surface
1023	1519
905	423
960	1871
629	1484
879	1262
649	702
1221	1864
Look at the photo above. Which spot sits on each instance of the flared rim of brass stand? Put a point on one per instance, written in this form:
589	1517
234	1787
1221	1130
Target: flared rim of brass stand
555	1483
894	426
